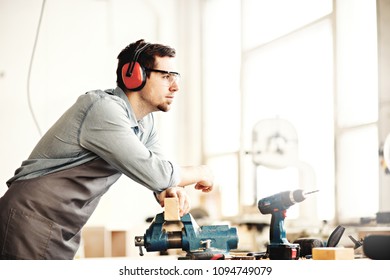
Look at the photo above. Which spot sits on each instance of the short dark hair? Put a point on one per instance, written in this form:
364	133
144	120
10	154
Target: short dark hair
146	58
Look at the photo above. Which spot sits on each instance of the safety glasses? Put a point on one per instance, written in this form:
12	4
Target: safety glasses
168	75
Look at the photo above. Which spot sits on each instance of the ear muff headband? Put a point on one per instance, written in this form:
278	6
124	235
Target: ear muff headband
133	73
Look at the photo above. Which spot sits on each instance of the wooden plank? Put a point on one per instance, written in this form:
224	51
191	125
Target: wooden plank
333	253
95	241
172	211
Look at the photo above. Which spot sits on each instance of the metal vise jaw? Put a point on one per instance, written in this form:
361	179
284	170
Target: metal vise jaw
195	240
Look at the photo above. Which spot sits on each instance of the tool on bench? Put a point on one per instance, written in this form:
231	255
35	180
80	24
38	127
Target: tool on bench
279	247
205	242
308	244
335	236
357	243
377	246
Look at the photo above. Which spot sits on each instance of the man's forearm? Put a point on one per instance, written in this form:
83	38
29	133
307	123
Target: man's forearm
195	174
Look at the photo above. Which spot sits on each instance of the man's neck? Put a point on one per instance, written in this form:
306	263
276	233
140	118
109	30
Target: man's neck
139	107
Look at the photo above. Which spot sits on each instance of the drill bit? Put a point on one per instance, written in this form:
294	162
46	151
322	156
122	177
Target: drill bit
306	193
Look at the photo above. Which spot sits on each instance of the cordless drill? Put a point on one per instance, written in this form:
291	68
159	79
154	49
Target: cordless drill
276	205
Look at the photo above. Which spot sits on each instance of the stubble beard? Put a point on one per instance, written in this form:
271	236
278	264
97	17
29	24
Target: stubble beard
164	107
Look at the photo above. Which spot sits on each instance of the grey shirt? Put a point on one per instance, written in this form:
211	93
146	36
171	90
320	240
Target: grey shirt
102	125
56	190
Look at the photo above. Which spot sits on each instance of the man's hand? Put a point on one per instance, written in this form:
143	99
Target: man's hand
201	175
180	194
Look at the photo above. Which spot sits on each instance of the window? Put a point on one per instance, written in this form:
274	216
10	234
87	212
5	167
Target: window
357	110
291	77
290	63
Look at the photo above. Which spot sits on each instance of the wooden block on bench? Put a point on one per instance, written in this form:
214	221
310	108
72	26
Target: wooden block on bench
333	253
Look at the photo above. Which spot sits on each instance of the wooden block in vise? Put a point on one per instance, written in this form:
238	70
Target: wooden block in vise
172	209
333	253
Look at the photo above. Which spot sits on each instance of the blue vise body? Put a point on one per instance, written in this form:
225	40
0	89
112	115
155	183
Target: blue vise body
191	238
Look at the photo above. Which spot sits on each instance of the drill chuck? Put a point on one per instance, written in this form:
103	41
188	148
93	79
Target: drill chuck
281	201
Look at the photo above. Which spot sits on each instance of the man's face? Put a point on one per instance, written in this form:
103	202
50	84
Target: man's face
160	88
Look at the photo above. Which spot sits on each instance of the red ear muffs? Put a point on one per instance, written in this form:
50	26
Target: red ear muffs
133	79
133	74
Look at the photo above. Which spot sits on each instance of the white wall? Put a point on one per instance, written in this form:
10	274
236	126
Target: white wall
76	52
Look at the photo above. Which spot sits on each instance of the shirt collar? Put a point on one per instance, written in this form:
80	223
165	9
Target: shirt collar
136	125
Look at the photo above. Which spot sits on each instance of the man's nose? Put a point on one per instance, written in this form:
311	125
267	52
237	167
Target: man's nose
174	86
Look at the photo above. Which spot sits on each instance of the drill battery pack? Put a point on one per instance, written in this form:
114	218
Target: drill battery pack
283	251
307	245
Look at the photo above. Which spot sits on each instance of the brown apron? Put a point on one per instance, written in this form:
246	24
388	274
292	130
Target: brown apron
41	218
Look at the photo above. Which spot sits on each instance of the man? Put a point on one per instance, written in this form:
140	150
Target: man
103	135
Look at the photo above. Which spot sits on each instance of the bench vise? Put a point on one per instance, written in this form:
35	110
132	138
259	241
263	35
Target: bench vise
205	242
